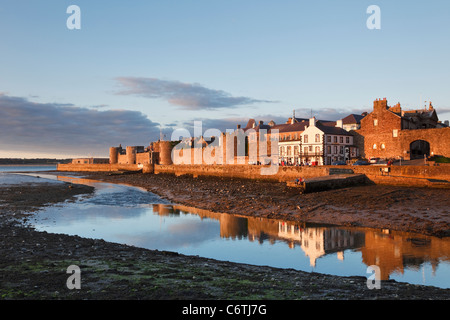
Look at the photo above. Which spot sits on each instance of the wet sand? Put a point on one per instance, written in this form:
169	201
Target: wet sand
420	210
33	264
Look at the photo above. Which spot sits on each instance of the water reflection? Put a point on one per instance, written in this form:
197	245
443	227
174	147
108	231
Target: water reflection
133	216
392	251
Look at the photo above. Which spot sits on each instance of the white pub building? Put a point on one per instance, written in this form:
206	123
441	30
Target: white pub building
318	144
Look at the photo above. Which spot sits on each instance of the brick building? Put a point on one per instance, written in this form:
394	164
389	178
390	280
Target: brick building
390	132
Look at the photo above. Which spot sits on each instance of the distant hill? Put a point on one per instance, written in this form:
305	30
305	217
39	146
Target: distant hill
4	161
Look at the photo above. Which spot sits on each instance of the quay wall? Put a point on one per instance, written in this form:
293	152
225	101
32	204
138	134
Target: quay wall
427	172
424	176
104	167
283	174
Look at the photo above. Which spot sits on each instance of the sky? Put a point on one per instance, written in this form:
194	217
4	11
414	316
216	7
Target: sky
136	69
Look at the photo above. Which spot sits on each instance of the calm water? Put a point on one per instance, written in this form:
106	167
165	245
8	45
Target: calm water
133	216
23	168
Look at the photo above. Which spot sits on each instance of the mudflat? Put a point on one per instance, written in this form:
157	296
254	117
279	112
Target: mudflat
33	265
420	210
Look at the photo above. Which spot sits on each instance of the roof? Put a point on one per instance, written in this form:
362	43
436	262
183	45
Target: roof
352	118
420	113
299	125
332	130
250	124
288	127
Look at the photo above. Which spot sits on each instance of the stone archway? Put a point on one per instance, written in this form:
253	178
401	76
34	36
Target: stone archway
418	149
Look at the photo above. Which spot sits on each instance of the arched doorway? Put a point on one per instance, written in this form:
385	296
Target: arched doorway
418	149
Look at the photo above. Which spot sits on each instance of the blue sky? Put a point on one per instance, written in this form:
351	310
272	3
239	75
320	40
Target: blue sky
138	67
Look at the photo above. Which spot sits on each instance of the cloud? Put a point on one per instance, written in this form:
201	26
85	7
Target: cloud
222	124
188	96
99	106
26	126
331	114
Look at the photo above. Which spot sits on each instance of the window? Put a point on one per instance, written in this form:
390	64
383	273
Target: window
335	149
341	139
375	122
328	149
374	146
328	138
311	148
395	133
317	150
306	150
288	150
383	146
296	150
347	139
342	149
335	139
306	138
317	137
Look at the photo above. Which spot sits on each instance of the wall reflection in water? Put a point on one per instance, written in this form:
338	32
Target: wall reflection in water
392	251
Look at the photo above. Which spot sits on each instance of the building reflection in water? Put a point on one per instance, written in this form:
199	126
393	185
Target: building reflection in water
319	241
392	251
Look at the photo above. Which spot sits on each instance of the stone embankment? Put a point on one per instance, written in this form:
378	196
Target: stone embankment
411	176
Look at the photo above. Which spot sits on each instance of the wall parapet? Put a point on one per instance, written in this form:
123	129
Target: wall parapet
146	168
283	174
430	172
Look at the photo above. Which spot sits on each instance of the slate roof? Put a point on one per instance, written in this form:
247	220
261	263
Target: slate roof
352	118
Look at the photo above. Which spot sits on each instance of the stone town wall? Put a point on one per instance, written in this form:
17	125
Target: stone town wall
283	174
409	176
424	172
103	167
438	138
390	146
385	134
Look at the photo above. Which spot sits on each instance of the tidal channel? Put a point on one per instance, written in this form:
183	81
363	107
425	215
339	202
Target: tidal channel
133	216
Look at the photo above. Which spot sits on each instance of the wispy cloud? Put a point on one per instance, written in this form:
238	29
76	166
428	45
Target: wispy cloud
67	129
331	114
230	123
189	96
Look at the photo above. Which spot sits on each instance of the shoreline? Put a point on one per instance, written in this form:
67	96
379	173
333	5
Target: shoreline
410	209
33	266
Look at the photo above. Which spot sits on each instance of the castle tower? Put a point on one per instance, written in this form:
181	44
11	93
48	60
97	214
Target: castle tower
131	155
165	152
113	155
